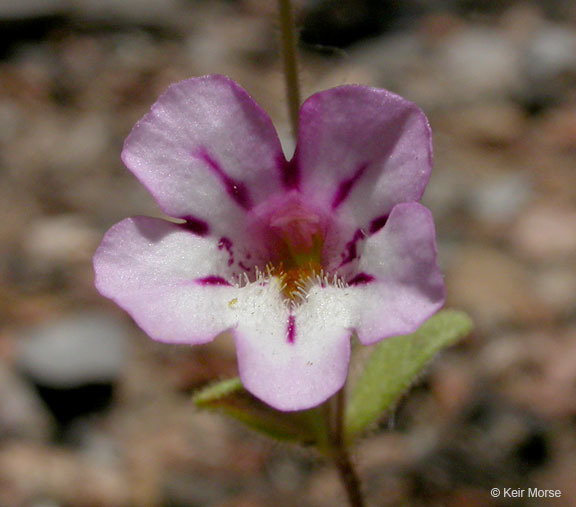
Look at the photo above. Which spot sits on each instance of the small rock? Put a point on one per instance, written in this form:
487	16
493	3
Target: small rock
551	52
85	348
546	232
452	386
499	199
556	285
385	450
147	12
535	370
325	488
465	65
557	131
493	287
30	472
22	414
12	119
490	123
53	242
30	9
480	62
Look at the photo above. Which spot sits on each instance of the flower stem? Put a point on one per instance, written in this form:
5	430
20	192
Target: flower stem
288	44
341	456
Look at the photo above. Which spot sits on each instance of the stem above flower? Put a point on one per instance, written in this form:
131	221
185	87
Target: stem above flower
288	45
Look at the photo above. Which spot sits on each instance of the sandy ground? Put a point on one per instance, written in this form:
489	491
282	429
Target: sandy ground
109	422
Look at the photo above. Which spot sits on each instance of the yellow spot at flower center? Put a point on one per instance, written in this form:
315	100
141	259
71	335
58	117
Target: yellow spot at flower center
297	237
294	280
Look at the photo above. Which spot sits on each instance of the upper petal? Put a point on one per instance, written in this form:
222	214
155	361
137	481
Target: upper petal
399	285
362	150
207	153
293	359
172	282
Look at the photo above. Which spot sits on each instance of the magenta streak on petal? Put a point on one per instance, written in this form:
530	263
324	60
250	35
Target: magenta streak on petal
361	279
347	185
378	223
212	280
290	172
198	227
351	252
236	189
226	244
243	266
291	330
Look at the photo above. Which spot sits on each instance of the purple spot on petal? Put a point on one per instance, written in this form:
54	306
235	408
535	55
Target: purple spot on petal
243	266
212	280
226	244
361	279
378	223
291	330
290	173
350	250
237	190
195	225
347	185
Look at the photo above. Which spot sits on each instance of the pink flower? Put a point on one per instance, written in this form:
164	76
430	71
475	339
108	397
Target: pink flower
293	257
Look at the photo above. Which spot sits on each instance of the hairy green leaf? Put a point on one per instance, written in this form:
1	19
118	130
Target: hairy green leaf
393	366
231	399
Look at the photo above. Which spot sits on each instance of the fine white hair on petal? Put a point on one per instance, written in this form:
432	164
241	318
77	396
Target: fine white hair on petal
211	156
160	273
294	358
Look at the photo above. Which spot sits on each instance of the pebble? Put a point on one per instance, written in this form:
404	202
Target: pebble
550	53
22	414
479	62
537	370
30	8
148	12
30	472
494	123
493	287
58	241
88	347
546	232
556	285
557	132
499	199
127	11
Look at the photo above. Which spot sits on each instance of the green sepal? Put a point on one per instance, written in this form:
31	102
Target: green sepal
394	364
229	397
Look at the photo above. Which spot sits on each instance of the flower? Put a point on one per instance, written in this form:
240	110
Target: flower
292	257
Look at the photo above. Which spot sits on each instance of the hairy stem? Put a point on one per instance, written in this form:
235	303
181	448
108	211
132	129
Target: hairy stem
341	456
289	53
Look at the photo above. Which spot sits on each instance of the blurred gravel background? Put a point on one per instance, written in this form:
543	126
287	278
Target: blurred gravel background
92	413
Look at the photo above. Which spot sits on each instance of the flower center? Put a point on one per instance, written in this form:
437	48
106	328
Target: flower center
295	280
298	237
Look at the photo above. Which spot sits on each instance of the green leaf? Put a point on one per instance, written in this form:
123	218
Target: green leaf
394	365
230	398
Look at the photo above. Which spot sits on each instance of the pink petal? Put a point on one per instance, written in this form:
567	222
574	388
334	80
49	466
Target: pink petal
362	150
168	279
399	285
294	361
208	153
